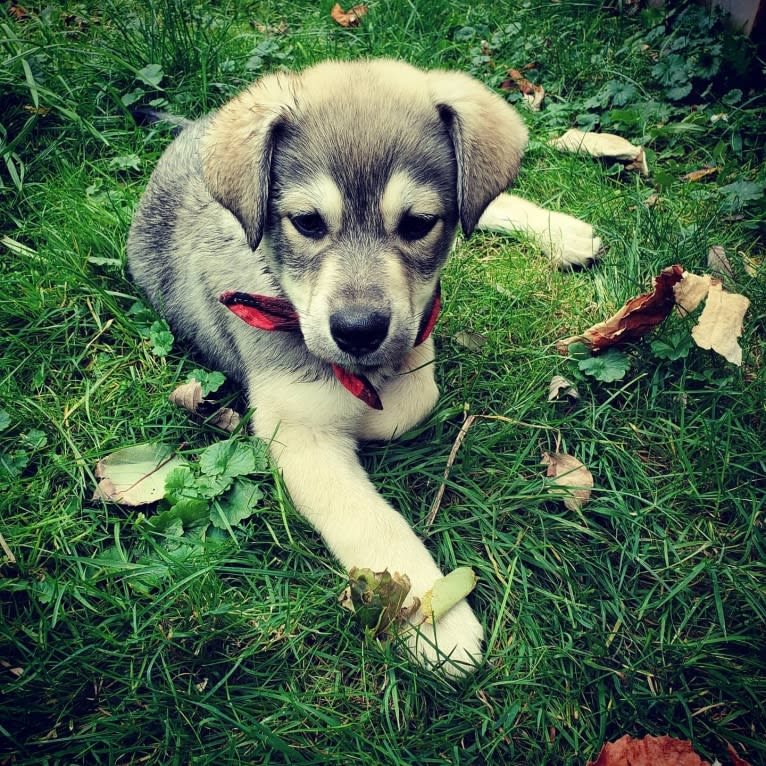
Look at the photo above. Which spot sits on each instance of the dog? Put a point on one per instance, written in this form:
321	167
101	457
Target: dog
295	238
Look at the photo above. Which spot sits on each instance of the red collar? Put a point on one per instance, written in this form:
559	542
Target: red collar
268	313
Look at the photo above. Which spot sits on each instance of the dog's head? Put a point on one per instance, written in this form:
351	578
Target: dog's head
353	178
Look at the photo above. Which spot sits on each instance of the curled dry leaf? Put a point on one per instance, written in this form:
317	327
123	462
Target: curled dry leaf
736	760
533	94
189	397
603	145
648	751
571	479
560	386
226	419
349	18
698	175
634	319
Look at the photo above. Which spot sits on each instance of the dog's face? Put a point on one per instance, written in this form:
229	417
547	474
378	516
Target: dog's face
352	178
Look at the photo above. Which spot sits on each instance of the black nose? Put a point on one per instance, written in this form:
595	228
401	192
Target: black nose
359	331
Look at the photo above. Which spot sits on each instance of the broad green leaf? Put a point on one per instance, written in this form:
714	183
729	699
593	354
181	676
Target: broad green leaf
236	505
447	592
136	475
151	74
607	367
5	420
228	458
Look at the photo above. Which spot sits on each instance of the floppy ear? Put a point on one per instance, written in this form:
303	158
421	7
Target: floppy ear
489	139
237	150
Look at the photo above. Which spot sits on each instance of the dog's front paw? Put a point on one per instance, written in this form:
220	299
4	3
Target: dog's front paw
567	240
451	646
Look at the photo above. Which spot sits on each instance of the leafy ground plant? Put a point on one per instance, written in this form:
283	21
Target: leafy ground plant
205	628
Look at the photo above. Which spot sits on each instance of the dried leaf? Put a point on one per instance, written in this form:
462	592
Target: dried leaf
691	291
603	145
532	94
447	592
571	478
473	341
718	263
560	386
720	323
698	175
188	395
648	751
736	760
348	18
135	475
226	419
634	319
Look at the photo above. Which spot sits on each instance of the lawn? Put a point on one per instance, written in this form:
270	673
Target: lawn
128	641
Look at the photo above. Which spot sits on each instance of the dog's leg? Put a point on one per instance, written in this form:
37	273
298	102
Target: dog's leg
327	484
568	241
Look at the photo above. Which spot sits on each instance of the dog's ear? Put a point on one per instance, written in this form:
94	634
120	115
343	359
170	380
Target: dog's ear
489	139
237	149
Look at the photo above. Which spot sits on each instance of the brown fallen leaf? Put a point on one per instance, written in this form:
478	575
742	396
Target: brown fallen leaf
533	94
560	386
690	291
189	397
698	175
735	758
634	319
571	479
603	145
718	263
226	419
720	323
349	18
648	751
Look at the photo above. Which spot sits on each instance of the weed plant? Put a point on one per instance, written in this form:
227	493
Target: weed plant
642	613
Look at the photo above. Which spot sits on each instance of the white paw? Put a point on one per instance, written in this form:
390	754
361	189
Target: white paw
451	646
566	240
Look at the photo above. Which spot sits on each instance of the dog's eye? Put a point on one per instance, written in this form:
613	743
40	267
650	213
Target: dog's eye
413	227
309	225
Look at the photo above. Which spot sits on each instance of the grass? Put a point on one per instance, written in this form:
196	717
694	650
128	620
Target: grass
642	613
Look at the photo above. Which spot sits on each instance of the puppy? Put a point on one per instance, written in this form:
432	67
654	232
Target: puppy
295	238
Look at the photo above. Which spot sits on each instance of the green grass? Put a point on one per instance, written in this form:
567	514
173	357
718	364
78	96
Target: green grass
643	613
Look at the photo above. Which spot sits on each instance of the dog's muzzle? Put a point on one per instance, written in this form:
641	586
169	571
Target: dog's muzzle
357	332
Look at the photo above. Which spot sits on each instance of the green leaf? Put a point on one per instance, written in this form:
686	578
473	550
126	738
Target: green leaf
34	439
161	338
210	381
190	512
237	505
228	459
447	592
5	420
151	74
676	346
578	350
607	367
